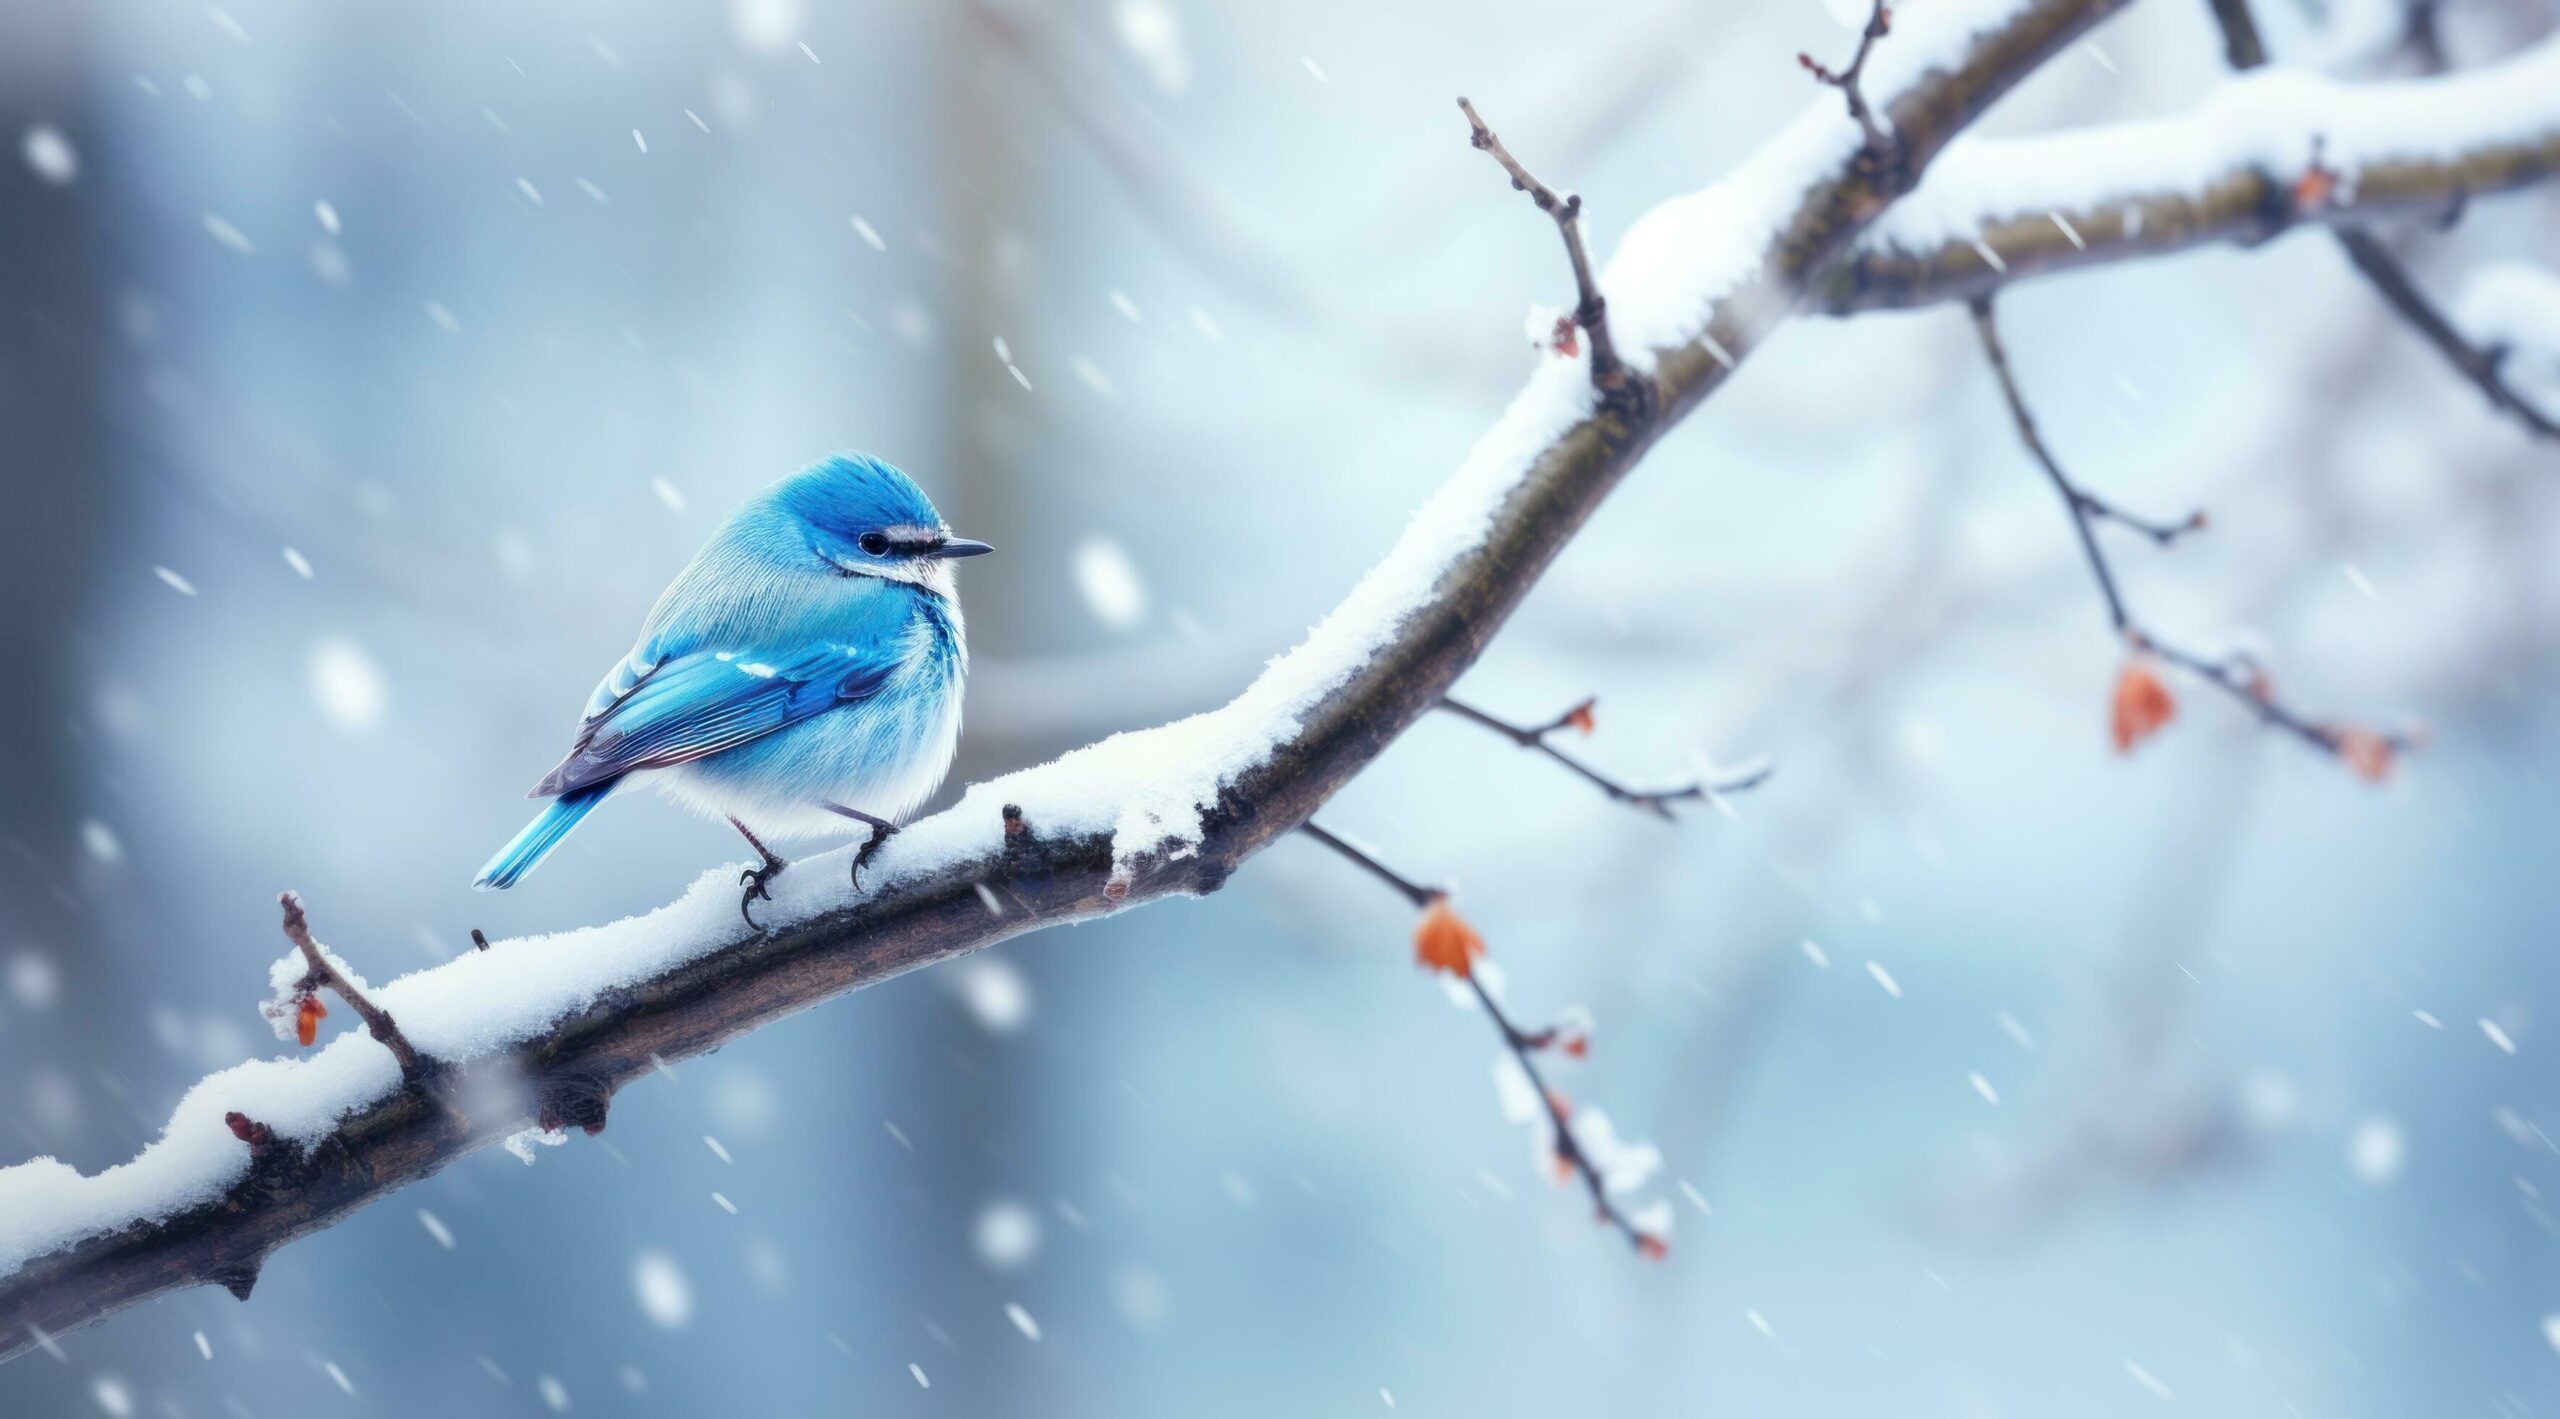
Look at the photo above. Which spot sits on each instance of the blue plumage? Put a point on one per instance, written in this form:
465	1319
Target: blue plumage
802	673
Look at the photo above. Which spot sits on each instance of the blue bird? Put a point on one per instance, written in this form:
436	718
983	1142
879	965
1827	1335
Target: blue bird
804	670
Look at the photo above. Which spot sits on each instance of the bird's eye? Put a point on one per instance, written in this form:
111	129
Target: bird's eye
877	544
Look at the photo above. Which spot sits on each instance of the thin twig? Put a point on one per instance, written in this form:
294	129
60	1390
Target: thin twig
1523	1044
1568	1148
1879	24
1609	374
377	1021
2485	368
1540	738
1411	890
2385	272
2237	674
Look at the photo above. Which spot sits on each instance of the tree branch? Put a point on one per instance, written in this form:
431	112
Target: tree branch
1540	736
2382	270
2368	752
1168	812
1992	213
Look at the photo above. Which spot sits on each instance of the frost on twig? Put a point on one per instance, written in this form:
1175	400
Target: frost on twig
2141	704
1581	717
1619	386
1579	1144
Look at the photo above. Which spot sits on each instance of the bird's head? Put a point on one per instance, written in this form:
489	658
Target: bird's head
863	517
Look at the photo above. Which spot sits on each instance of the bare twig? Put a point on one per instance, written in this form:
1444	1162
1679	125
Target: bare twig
1879	24
2383	270
1540	737
1524	1046
414	1067
1609	374
2391	280
1404	886
2236	674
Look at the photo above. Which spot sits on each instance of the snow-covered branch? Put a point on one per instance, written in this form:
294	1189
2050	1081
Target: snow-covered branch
545	1030
2265	153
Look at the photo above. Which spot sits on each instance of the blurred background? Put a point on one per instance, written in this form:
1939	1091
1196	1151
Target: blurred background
366	370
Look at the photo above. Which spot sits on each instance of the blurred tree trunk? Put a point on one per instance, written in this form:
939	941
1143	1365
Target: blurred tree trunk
53	335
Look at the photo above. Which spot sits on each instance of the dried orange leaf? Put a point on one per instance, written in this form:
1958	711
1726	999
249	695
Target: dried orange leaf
1442	940
2140	705
2370	755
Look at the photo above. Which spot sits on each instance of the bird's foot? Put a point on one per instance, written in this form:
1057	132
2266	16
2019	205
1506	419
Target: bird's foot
881	831
755	878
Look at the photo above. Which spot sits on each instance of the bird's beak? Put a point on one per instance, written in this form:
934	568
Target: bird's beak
960	547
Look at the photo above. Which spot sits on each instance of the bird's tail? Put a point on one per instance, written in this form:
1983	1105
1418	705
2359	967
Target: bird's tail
540	836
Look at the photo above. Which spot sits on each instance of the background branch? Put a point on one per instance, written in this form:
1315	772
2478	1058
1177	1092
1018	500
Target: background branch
2369	752
1996	212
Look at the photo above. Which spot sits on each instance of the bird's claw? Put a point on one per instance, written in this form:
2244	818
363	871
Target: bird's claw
754	880
880	833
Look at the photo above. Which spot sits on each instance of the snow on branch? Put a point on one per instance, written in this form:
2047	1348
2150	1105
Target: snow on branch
2374	259
2266	152
547	1028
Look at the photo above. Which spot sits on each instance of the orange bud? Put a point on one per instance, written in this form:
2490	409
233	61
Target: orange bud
2369	754
1562	1166
2140	706
2313	191
1557	1101
1442	940
1651	1247
306	1021
1580	717
1579	1046
1567	340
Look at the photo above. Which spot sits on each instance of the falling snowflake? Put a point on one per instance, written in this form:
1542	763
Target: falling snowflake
665	1297
1109	583
2375	1151
996	995
1153	36
348	685
50	154
1007	1235
436	1228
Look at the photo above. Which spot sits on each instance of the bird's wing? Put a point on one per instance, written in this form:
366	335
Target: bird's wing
688	706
